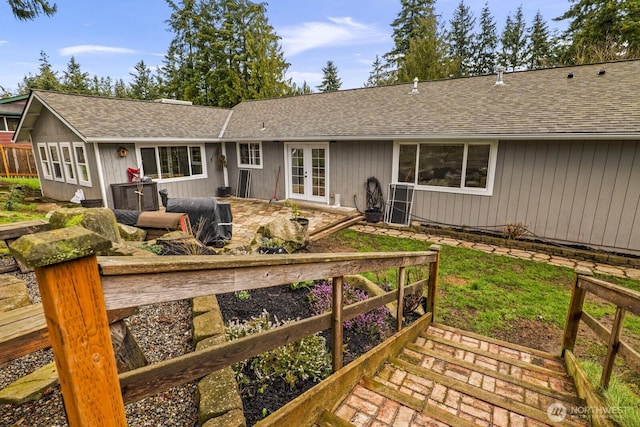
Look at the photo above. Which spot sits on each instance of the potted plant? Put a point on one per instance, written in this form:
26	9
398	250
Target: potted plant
271	245
296	213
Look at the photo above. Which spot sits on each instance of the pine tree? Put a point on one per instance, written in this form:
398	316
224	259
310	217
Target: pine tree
461	39
74	80
514	41
26	10
46	79
487	42
406	27
539	50
379	75
602	29
330	80
144	84
427	57
120	89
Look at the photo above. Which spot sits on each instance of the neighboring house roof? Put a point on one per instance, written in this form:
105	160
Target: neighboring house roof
13	106
115	120
535	103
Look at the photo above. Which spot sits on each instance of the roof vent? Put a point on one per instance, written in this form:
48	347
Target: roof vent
173	101
601	72
570	75
415	86
499	81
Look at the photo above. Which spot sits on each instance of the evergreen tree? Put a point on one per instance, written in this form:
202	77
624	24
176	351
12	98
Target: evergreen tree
379	75
101	86
294	89
120	89
223	51
461	39
487	43
143	85
26	10
602	29
46	79
407	27
427	57
74	80
539	50
330	80
514	41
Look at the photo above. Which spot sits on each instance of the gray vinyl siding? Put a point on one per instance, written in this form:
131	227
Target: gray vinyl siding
50	129
263	180
352	163
580	192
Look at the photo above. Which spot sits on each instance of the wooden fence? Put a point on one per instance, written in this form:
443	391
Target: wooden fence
77	293
17	161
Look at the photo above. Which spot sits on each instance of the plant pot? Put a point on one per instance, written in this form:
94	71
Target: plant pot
224	191
304	222
91	203
373	215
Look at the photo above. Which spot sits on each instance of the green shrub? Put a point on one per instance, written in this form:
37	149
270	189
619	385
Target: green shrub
305	359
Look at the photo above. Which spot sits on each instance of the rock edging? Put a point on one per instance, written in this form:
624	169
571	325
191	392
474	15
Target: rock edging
219	401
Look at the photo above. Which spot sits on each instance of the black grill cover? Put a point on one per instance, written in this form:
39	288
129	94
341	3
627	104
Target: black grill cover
204	216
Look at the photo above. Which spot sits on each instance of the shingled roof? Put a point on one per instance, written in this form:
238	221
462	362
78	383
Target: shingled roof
596	101
105	119
532	103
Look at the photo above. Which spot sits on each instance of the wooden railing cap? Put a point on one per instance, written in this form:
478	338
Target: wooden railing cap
584	271
435	248
56	246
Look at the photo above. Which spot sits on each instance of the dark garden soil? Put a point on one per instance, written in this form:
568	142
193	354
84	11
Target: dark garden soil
285	304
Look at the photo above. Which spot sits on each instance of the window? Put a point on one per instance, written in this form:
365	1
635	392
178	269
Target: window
82	165
453	167
250	155
67	162
3	125
172	162
12	124
44	161
54	156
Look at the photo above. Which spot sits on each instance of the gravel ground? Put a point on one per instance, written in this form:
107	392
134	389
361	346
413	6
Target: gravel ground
163	331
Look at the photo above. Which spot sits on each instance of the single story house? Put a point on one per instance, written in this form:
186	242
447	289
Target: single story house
556	150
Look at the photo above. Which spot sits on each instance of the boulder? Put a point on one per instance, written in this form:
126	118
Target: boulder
131	234
292	234
101	221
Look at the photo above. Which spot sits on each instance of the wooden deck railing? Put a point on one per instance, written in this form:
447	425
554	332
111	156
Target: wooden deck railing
77	293
17	161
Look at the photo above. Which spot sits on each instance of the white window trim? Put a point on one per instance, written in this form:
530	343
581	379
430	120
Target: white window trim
493	156
77	164
249	166
203	152
68	166
45	175
53	169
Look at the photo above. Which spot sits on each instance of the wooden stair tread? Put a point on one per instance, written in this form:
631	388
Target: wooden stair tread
490	355
332	228
31	386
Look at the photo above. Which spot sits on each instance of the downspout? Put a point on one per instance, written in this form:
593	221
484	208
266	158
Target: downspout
103	191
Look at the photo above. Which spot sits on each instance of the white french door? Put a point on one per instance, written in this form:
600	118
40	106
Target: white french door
307	171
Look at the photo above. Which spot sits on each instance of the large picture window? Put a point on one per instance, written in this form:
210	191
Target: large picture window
173	162
461	167
250	155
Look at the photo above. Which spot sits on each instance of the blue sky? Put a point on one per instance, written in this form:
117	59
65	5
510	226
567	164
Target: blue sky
109	38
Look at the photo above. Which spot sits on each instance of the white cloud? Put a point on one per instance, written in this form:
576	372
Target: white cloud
3	42
91	48
342	31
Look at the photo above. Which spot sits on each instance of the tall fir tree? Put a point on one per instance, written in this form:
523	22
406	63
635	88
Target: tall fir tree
223	51
26	10
144	84
379	75
539	53
461	40
330	80
46	79
407	26
486	54
427	57
601	30
120	89
74	80
514	41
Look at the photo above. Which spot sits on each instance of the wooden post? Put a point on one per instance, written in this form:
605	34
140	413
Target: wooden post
400	314
612	347
575	312
336	335
69	281
432	292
